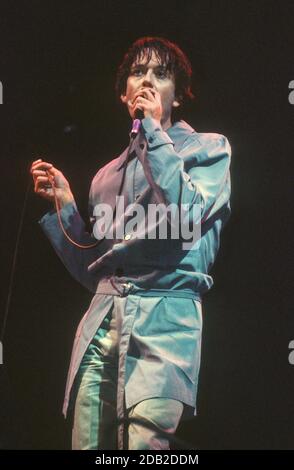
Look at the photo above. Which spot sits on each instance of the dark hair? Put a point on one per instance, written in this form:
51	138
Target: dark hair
168	54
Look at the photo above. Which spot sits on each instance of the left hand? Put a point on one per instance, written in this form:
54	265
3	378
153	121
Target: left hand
149	101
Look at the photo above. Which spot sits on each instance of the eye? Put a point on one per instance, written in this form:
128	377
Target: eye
136	72
162	73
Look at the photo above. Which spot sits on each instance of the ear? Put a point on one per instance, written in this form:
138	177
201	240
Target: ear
123	98
176	103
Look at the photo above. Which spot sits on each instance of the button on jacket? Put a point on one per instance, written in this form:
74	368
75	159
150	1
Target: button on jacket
178	167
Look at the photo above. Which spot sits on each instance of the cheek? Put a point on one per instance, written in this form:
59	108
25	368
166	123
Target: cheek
130	88
167	97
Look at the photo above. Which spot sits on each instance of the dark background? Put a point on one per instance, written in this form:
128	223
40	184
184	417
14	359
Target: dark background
57	66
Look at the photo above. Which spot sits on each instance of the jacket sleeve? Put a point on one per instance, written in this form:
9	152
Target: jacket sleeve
75	259
197	174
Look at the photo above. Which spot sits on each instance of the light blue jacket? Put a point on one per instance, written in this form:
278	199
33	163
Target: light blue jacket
177	166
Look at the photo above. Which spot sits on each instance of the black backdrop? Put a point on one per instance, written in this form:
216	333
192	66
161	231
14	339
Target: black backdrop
58	62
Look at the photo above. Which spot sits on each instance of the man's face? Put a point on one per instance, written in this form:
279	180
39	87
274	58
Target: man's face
152	75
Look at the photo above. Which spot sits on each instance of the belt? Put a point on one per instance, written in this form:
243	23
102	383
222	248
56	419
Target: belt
109	286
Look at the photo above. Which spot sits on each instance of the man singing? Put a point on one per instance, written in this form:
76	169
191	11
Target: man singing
136	356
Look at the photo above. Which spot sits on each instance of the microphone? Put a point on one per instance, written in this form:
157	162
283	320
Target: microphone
139	115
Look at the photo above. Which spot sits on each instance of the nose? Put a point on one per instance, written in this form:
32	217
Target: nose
148	79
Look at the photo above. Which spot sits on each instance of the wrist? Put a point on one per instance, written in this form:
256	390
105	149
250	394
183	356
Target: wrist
63	201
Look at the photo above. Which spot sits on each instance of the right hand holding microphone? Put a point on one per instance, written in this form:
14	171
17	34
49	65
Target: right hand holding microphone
44	174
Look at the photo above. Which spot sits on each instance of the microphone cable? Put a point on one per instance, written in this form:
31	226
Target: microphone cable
133	134
14	259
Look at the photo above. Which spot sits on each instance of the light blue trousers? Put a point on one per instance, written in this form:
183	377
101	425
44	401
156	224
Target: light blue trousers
95	416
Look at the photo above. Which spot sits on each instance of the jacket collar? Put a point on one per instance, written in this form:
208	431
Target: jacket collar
178	133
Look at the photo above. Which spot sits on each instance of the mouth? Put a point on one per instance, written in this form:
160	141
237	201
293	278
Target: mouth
141	92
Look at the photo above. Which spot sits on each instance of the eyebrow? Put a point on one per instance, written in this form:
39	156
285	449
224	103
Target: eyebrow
143	66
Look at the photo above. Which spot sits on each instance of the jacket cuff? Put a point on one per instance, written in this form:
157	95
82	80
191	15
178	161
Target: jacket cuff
66	213
154	133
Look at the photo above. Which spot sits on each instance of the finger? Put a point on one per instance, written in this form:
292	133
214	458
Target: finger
41	181
36	161
142	93
150	92
44	189
46	193
141	98
43	185
140	101
153	96
52	171
41	166
39	173
138	93
51	177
